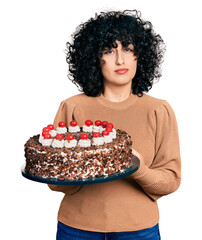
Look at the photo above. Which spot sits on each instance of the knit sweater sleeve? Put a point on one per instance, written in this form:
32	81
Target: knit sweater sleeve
65	114
163	176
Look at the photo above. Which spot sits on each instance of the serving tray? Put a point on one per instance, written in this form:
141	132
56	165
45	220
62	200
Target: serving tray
86	181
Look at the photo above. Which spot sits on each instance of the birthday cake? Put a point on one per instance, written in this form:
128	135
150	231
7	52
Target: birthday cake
90	151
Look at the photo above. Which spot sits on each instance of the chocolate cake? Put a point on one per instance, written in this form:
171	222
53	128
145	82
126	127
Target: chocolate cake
78	152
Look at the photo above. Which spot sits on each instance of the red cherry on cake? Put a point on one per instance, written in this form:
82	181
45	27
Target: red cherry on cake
59	137
104	123
61	124
44	133
98	123
47	136
105	133
50	126
84	136
70	137
45	129
109	129
73	123
110	125
96	134
88	123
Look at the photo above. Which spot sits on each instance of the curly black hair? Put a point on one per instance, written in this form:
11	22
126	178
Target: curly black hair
92	37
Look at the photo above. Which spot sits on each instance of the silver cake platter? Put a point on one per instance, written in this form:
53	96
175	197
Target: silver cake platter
86	181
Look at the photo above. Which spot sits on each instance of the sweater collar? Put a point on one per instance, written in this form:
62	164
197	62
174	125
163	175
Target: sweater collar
117	105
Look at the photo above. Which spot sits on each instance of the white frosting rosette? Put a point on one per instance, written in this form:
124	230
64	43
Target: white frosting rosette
53	133
74	129
98	141
96	128
47	142
87	129
58	143
113	133
70	143
61	130
84	142
107	138
101	128
41	138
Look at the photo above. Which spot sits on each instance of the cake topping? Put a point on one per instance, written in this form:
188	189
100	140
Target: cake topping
70	137
109	129
88	126
73	123
110	125
50	127
97	139
58	141
106	136
59	137
99	133
62	127
105	133
45	129
104	123
52	131
44	133
96	127
61	124
103	126
98	123
96	134
84	136
74	127
47	136
88	123
84	141
70	141
113	130
46	140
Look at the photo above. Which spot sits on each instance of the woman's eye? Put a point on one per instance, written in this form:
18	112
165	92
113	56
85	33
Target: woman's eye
107	52
128	50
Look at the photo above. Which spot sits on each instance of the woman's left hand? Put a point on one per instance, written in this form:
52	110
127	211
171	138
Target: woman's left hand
136	153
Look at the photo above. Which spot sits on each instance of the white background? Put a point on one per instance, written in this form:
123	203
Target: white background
34	81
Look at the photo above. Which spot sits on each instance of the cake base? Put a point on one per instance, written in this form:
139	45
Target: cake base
55	181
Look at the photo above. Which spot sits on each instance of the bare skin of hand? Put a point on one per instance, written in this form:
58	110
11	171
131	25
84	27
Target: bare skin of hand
137	154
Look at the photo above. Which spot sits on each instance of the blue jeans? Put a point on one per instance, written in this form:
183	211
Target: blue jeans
65	232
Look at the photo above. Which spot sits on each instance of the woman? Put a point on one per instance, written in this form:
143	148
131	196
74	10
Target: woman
113	59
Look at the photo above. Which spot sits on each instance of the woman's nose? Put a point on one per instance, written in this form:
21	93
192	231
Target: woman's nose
119	58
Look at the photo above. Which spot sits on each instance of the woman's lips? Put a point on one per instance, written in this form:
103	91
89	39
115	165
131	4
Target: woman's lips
121	71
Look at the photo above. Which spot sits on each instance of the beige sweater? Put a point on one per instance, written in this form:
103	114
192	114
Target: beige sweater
127	204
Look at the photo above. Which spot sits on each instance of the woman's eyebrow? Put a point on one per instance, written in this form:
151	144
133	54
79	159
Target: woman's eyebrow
107	48
131	45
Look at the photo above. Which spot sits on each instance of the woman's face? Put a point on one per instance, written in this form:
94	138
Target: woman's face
118	58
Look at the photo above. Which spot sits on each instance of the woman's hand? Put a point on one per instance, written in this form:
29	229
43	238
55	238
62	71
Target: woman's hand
137	154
